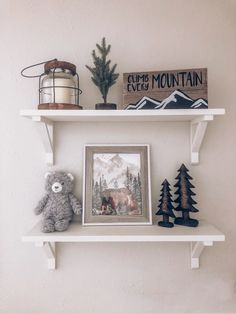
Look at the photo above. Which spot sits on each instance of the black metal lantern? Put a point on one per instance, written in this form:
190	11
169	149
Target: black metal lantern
58	85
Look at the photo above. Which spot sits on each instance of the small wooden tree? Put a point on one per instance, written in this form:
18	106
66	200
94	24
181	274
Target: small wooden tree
102	75
184	199
165	206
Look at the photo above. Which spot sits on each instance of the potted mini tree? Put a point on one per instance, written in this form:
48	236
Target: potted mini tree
103	74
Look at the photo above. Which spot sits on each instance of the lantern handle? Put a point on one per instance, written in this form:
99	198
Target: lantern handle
32	66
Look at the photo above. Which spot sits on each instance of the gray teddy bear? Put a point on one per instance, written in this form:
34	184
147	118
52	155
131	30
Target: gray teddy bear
59	204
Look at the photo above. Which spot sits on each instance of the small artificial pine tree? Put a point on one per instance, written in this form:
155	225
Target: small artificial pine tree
102	75
184	199
165	206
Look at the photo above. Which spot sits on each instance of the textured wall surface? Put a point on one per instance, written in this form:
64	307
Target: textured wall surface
117	278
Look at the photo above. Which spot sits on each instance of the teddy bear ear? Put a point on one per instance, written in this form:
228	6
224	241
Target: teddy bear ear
70	176
47	174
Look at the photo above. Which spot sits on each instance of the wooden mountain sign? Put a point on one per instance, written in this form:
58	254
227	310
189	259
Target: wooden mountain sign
177	89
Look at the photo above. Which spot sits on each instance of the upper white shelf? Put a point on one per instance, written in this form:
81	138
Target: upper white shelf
204	235
198	119
122	115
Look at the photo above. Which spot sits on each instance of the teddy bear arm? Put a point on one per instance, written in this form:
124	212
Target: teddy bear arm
41	204
75	204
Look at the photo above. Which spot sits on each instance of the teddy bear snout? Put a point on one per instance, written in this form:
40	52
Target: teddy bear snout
56	187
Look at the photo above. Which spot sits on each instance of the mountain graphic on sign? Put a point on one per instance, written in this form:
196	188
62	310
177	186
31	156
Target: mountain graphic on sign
176	100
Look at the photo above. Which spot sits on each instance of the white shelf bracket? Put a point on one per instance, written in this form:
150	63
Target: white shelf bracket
196	251
197	132
45	130
50	252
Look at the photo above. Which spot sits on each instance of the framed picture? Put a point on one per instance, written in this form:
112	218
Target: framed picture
116	188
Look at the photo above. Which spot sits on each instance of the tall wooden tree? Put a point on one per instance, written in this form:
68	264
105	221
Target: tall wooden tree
184	200
165	206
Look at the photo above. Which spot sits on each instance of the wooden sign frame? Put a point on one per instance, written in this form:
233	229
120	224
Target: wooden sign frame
172	89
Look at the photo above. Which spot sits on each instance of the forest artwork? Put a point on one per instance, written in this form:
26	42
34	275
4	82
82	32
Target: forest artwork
117	184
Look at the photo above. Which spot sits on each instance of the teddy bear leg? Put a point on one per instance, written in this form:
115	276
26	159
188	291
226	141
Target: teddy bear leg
62	224
48	225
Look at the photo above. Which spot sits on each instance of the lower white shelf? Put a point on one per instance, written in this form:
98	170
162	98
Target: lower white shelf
204	235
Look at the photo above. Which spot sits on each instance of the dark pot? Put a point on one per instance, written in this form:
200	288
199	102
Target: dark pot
108	106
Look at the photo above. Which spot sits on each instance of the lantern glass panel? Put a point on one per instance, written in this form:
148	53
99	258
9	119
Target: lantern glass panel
59	87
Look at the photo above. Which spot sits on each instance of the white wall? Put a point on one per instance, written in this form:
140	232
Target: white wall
116	278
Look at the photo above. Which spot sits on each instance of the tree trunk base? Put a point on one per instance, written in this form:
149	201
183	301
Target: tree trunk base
186	222
103	106
166	224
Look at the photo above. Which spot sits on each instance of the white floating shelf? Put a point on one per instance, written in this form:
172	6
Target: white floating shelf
204	235
198	119
121	115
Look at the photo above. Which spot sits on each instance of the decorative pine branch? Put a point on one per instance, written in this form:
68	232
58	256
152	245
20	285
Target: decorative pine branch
103	74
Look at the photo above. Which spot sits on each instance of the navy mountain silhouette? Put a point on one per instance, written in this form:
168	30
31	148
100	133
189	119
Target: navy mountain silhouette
176	100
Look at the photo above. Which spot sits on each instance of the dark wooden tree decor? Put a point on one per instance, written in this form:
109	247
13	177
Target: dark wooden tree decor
184	199
165	206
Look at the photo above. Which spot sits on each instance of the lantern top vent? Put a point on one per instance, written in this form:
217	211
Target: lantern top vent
55	64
